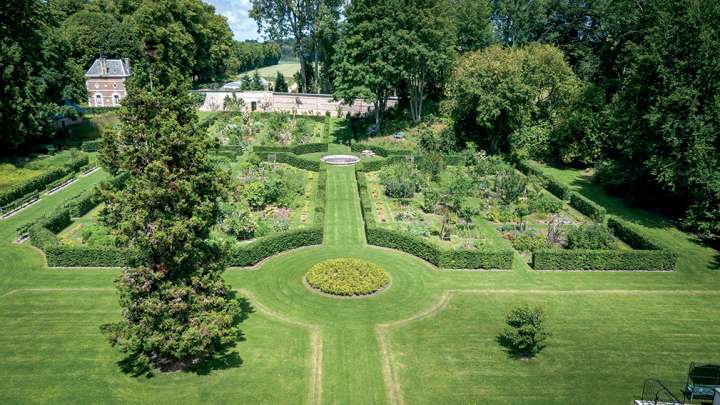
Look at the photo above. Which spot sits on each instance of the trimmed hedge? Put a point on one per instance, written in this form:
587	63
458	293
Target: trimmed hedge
557	188
450	259
85	256
375	165
630	235
603	260
82	203
252	253
309	148
91	146
379	150
19	202
588	207
296	149
42	181
581	203
445	258
648	255
320	198
292	160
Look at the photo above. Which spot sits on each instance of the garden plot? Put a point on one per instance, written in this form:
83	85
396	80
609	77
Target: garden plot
244	130
479	202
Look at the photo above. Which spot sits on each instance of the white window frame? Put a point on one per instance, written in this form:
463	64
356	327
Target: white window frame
116	104
102	102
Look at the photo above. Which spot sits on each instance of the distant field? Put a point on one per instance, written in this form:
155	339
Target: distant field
287	68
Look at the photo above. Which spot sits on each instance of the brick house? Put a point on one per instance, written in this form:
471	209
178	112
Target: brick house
105	82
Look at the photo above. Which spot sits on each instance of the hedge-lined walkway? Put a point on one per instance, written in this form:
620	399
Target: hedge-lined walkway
343	219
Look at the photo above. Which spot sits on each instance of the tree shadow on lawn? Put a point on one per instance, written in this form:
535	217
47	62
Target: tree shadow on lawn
224	358
511	351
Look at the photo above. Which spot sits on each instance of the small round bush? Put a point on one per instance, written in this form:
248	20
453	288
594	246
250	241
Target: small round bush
347	277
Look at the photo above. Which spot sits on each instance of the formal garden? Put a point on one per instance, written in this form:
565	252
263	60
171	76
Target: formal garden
523	208
437	214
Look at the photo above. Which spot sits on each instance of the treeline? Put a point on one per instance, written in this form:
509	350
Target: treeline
48	46
627	87
249	55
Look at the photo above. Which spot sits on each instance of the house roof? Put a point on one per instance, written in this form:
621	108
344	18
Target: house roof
109	68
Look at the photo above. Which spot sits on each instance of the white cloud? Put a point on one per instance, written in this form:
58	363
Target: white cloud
236	12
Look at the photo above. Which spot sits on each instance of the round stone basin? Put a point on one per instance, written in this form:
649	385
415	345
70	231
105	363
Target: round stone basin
340	159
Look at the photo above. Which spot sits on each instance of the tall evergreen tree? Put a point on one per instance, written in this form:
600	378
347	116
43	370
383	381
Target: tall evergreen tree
177	310
280	83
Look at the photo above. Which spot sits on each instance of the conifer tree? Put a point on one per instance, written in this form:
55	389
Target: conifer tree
176	309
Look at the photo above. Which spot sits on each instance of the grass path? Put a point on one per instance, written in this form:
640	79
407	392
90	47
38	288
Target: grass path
343	219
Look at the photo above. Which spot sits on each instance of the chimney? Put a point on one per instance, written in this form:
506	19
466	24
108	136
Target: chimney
126	63
103	67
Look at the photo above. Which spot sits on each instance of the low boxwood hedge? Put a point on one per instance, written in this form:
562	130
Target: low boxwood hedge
320	197
375	165
379	150
603	260
42	181
252	253
91	146
557	188
588	207
296	149
82	203
647	256
292	160
445	258
60	255
631	235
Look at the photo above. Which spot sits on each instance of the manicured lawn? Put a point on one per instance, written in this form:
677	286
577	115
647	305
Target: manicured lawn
602	347
611	331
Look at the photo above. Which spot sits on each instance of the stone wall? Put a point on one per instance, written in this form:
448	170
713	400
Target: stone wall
304	104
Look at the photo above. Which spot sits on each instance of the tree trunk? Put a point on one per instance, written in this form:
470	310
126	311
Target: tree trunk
417	90
299	49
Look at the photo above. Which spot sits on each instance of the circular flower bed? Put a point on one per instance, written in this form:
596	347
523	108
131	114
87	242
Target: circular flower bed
347	277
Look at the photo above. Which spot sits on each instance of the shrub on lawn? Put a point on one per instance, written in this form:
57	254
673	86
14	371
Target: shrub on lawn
525	334
347	277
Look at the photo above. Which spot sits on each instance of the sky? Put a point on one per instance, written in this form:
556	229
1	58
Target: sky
236	11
